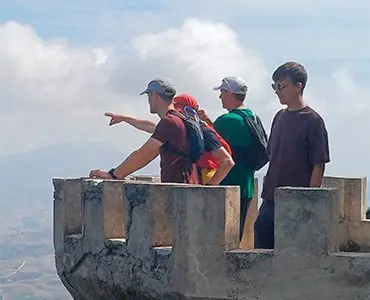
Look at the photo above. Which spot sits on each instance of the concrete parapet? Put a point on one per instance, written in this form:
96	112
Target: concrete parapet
353	227
177	241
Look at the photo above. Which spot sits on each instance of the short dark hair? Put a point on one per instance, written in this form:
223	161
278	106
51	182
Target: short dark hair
168	94
240	97
294	71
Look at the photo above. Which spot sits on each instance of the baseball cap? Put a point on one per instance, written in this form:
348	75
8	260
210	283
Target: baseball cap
233	84
186	100
162	86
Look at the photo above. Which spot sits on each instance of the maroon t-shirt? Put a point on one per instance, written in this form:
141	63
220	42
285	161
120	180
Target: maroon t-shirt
298	140
171	131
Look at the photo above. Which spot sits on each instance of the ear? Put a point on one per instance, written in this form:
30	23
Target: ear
299	86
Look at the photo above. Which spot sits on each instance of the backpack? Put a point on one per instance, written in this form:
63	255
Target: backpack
194	133
255	156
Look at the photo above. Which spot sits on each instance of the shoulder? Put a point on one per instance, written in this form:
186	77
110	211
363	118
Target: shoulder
279	113
229	118
169	126
170	119
315	122
313	113
313	116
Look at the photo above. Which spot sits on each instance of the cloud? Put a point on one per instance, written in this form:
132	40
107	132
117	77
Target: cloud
197	56
53	92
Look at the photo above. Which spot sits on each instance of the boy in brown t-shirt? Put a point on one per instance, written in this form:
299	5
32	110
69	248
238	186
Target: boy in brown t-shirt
298	147
170	130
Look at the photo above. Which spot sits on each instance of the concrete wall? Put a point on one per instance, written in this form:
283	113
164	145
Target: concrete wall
354	229
138	239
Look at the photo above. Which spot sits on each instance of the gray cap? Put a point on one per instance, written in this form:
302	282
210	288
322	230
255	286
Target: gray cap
162	86
233	84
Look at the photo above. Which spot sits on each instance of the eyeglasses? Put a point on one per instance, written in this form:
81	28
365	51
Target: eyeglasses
278	86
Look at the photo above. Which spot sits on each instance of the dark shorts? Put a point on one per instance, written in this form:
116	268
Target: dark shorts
264	233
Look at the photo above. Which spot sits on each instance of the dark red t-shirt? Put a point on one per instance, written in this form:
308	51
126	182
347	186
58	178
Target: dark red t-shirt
171	130
298	140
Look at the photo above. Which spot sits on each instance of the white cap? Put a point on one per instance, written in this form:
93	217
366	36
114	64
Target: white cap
233	84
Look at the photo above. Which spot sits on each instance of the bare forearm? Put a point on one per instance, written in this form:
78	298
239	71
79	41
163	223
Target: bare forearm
139	158
144	125
316	176
223	169
131	164
226	164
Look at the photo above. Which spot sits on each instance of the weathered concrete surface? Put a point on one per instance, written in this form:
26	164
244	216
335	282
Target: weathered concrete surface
247	241
354	229
202	225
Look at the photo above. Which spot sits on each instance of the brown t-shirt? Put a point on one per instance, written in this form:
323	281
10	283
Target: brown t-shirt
298	140
171	131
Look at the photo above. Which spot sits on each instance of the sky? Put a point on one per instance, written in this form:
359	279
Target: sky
62	65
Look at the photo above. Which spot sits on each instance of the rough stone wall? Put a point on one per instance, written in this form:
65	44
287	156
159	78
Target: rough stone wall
146	240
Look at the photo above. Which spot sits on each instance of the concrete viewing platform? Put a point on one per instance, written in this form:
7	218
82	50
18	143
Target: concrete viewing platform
142	239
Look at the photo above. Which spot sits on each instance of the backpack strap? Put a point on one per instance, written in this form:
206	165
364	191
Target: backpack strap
257	122
176	113
171	148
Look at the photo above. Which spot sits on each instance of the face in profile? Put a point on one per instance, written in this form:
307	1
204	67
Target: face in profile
225	97
286	90
152	100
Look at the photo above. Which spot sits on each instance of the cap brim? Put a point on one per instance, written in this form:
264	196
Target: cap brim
217	88
144	92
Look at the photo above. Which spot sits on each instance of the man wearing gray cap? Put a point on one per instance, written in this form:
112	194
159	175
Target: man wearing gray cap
234	128
170	130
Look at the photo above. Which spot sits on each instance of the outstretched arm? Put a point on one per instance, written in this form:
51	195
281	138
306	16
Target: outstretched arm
144	125
135	161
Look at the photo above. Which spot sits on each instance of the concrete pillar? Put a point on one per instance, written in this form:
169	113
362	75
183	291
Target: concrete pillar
206	223
94	232
113	209
305	220
149	215
68	210
247	241
354	230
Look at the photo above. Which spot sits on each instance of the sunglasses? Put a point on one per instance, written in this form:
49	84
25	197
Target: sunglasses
278	86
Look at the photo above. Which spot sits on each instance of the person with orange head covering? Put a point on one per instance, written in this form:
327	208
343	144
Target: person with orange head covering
216	161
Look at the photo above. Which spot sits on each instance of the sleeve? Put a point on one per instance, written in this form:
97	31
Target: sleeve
318	144
268	148
164	130
211	141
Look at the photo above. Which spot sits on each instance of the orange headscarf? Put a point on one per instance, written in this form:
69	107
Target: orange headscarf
183	100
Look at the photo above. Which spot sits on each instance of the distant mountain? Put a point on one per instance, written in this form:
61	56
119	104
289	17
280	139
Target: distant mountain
26	223
28	177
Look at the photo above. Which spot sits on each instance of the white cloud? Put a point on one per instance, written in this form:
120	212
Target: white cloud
51	92
200	54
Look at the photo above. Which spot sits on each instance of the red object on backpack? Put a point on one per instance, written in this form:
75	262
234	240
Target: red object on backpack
207	160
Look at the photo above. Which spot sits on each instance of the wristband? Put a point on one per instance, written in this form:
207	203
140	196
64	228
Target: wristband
111	173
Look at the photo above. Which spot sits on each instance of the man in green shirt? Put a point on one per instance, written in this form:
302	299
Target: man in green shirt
234	130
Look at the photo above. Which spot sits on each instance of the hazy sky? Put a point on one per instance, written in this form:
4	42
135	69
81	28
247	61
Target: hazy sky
64	63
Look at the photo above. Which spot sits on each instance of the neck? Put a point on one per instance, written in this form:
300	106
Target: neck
162	112
237	106
297	103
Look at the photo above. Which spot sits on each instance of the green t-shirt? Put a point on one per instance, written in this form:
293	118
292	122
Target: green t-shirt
233	129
